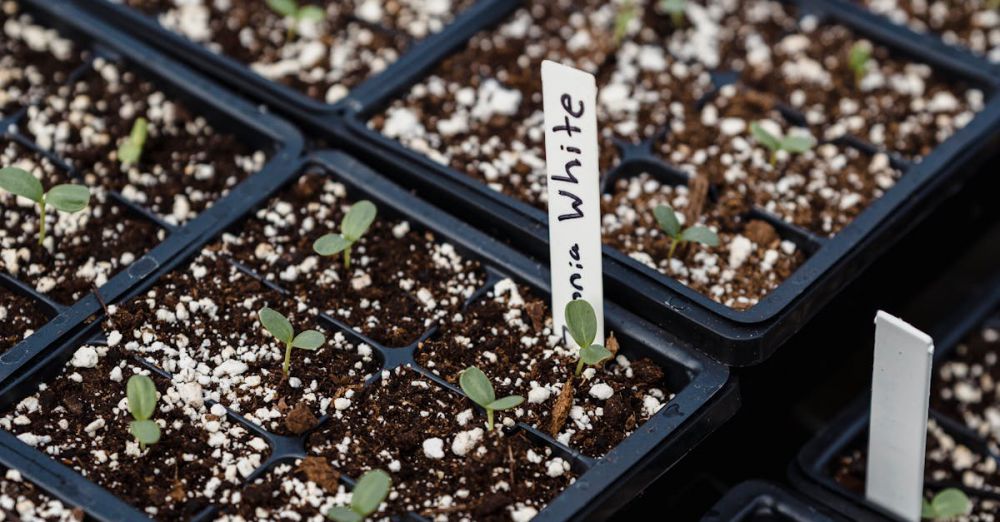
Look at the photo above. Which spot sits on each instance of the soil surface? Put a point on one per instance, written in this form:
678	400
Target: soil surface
401	281
22	500
973	24
81	418
19	318
302	491
324	59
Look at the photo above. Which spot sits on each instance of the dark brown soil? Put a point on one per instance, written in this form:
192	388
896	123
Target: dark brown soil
29	502
392	421
223	327
967	23
303	490
400	264
167	480
18	316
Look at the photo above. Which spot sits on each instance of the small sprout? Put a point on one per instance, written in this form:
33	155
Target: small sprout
292	9
282	330
791	144
141	393
858	58
354	225
675	8
131	149
667	219
947	504
369	492
626	13
478	387
66	198
582	323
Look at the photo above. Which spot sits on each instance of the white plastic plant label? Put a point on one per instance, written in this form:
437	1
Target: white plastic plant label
901	381
570	98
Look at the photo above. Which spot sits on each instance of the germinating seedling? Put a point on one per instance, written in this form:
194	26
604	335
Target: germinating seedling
670	225
282	330
292	9
66	198
790	144
582	323
478	387
674	8
141	394
354	225
947	504
626	13
858	58
130	150
369	492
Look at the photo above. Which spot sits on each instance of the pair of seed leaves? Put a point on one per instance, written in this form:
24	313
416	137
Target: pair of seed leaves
355	224
478	387
667	219
582	324
792	144
141	394
292	9
130	151
67	197
369	492
281	328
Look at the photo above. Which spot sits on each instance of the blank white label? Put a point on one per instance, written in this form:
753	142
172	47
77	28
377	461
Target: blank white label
570	100
901	381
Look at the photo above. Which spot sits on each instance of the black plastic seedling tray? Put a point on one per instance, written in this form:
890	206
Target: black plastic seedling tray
811	470
705	397
761	501
279	140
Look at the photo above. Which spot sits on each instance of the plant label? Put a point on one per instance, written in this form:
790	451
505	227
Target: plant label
570	100
901	382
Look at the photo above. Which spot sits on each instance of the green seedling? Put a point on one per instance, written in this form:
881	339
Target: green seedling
947	504
582	323
141	393
297	13
676	10
130	151
369	492
626	13
66	198
857	59
354	225
478	387
282	330
667	219
790	144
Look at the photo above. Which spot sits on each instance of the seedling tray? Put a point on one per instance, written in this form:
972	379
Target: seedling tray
705	397
812	470
761	501
227	114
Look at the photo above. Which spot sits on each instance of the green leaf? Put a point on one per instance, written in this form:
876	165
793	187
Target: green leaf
312	13
505	403
145	431
763	137
667	219
672	6
68	197
950	503
858	57
277	324
309	340
926	510
477	386
370	491
130	150
21	183
594	354
797	144
622	20
581	321
700	234
284	7
358	219
342	514
141	393
331	244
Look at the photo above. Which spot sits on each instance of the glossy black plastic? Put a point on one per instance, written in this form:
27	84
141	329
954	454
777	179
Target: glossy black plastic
762	501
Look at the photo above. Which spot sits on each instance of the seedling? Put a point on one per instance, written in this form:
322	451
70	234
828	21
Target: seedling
282	330
858	58
626	13
369	492
354	225
670	225
791	144
130	150
141	394
675	8
582	323
947	504
478	387
66	198
292	9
